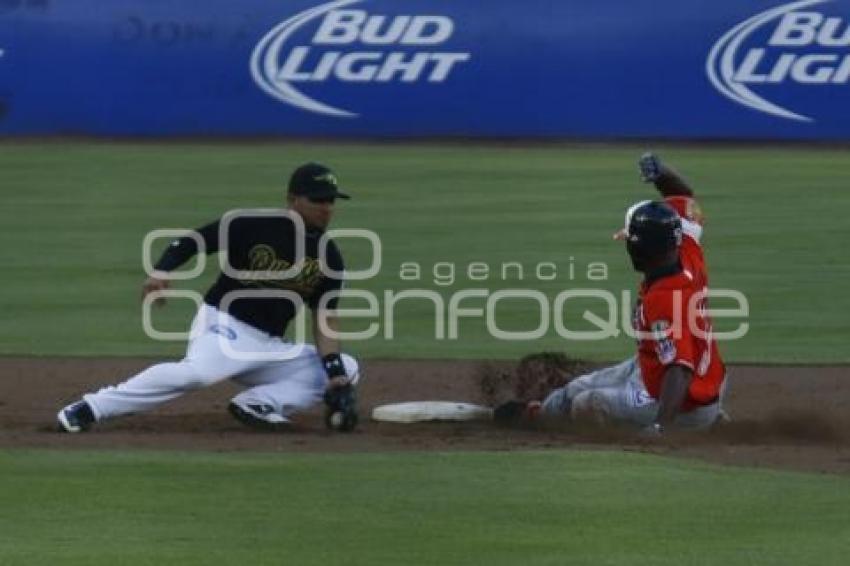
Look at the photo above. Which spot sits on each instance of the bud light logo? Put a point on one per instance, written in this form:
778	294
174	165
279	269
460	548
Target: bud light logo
351	46
792	46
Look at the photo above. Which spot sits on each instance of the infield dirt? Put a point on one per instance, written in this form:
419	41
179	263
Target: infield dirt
783	417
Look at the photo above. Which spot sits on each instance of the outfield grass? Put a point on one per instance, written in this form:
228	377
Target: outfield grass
91	508
74	216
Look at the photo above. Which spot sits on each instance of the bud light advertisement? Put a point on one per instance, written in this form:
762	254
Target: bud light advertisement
621	69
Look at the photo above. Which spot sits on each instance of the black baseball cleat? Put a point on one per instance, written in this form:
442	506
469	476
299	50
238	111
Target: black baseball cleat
76	417
260	417
515	411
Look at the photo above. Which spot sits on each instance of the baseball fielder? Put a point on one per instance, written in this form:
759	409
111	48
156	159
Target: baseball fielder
237	332
677	375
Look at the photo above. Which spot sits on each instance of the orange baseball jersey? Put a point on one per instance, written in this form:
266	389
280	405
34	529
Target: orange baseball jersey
690	252
677	330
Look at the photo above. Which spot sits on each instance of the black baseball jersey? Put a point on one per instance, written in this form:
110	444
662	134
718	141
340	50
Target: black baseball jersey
262	246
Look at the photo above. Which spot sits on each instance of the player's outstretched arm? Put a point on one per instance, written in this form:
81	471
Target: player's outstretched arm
176	254
182	249
340	397
328	346
674	388
668	182
153	284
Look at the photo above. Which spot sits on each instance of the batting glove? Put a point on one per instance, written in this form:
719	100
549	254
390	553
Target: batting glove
650	167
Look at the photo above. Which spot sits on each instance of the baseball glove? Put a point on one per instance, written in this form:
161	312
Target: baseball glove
341	408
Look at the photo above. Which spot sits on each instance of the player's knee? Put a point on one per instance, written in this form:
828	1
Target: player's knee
192	383
557	403
591	406
197	376
352	368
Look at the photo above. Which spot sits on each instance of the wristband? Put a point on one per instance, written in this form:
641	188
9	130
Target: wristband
333	365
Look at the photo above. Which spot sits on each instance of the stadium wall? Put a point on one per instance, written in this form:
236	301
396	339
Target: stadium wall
688	69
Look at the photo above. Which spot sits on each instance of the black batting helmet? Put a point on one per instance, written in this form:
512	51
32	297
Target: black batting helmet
653	229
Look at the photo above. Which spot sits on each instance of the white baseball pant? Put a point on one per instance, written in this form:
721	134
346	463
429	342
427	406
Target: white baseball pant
288	377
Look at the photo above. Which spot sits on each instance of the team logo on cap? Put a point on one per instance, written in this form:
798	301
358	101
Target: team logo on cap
791	45
329	178
351	46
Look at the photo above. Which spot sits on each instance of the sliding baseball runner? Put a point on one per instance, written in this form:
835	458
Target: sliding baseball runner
677	377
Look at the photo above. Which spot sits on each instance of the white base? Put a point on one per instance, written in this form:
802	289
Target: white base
418	411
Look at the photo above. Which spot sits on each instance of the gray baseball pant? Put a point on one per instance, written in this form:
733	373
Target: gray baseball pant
619	391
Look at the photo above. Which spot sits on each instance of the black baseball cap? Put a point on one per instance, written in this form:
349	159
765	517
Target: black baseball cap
316	181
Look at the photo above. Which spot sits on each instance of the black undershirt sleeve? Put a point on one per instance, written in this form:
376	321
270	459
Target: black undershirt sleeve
334	260
182	249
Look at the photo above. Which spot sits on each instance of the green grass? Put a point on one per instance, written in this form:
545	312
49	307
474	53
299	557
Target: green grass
91	508
74	216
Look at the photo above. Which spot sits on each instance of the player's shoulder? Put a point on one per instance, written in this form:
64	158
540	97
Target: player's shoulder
691	215
333	254
329	241
248	219
680	280
670	289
